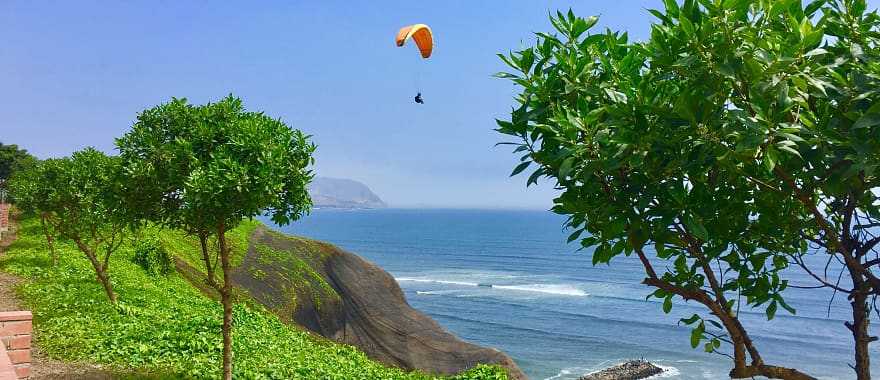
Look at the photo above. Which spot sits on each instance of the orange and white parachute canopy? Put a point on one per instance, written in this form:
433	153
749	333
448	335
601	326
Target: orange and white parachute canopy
421	34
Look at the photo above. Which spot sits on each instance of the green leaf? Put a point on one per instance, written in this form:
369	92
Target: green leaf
697	335
519	168
687	26
867	120
691	320
576	234
667	304
815	52
708	347
507	60
671	7
659	15
771	310
582	25
696	228
616	96
786	306
769	159
789	150
565	167
527	59
533	179
814	6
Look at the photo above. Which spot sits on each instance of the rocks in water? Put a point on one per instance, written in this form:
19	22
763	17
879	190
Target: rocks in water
631	370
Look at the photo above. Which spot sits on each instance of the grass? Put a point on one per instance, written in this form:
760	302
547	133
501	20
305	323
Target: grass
168	328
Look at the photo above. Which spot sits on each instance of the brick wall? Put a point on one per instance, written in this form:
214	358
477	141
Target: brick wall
15	333
4	217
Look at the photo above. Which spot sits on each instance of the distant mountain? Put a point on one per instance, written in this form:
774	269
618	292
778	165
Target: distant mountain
343	193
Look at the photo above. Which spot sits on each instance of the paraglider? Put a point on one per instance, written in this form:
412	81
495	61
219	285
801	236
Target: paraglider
421	34
424	39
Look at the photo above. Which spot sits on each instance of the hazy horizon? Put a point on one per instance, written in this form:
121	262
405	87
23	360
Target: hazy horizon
80	72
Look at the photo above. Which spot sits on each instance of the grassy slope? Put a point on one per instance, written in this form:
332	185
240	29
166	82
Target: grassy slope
164	325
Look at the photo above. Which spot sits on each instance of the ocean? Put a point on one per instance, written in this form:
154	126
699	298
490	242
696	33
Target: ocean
507	279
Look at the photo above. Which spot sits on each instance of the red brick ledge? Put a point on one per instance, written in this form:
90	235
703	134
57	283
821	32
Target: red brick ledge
15	352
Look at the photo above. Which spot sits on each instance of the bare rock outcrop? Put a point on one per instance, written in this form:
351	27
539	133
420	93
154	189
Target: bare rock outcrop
350	300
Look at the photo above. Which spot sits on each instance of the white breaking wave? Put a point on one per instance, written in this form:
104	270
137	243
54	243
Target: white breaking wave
668	371
568	373
557	289
407	279
564	290
435	292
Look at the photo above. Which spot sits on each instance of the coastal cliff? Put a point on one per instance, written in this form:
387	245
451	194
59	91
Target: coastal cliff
343	297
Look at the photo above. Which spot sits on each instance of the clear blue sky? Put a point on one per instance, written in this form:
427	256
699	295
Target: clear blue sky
75	74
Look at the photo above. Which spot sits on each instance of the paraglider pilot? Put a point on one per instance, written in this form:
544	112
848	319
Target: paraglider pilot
421	34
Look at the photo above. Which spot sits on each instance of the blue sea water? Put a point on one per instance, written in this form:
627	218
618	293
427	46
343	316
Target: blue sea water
507	279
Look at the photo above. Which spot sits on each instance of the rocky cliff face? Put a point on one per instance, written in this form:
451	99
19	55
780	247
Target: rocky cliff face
348	299
343	193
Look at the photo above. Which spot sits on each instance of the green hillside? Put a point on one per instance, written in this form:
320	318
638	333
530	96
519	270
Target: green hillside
167	327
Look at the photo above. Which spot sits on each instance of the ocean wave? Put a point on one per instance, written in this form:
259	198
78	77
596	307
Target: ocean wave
564	290
434	292
557	289
668	371
462	283
569	373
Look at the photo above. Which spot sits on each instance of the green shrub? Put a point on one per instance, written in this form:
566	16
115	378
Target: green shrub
152	257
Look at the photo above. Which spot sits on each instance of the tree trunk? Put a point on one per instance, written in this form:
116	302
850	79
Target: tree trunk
861	338
203	240
49	239
108	288
226	299
100	270
737	332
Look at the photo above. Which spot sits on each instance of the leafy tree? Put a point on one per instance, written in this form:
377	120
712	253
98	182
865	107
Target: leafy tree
79	197
715	152
203	169
32	189
13	158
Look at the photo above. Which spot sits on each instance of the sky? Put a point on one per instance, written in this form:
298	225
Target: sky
76	74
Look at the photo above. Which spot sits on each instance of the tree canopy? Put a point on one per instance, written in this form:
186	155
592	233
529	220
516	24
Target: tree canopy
205	168
79	197
715	151
33	190
216	164
12	159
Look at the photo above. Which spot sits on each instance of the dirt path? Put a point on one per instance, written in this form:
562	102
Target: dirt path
8	283
42	367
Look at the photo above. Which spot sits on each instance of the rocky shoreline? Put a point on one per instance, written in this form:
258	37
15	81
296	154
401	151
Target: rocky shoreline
631	370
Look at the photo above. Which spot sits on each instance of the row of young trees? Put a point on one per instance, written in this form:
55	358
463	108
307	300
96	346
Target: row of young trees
742	137
200	169
12	159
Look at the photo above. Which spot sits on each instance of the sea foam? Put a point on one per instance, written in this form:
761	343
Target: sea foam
462	283
668	371
556	289
559	289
